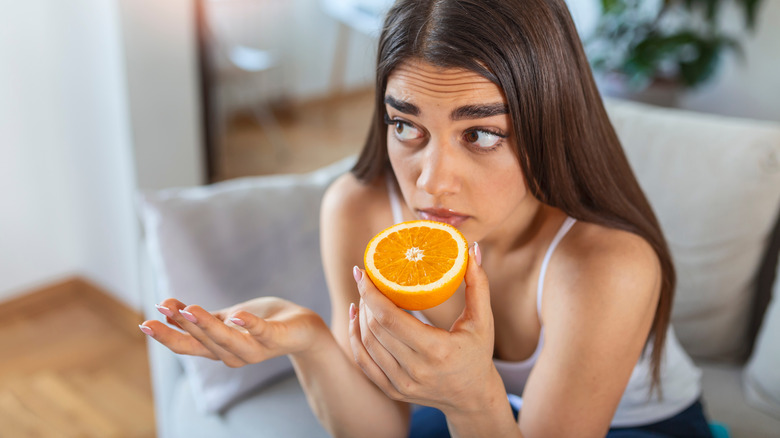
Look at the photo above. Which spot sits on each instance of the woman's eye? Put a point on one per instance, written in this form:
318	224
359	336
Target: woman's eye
405	131
483	139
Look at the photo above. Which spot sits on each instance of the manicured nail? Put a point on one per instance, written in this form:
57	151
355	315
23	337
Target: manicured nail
352	311
147	331
164	310
188	316
357	274
237	321
477	254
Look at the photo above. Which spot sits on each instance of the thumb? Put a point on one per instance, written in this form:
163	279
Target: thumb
477	288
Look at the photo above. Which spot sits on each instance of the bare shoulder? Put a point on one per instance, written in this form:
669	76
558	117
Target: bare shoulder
355	206
606	270
612	253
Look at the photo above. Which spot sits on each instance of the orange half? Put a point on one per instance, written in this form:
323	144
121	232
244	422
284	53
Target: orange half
417	264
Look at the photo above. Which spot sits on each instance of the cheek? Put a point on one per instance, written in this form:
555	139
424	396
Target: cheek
501	190
402	162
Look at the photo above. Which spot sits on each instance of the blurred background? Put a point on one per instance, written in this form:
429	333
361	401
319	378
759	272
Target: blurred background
101	99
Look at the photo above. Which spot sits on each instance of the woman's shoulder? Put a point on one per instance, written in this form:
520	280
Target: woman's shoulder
607	263
348	191
352	200
354	209
597	244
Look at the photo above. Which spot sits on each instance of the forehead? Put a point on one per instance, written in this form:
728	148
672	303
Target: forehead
415	80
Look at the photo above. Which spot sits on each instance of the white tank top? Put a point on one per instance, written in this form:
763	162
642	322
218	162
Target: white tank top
680	379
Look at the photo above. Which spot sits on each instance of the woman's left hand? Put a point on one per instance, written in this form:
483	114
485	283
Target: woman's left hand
414	362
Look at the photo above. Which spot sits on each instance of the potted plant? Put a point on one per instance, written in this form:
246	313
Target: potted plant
661	47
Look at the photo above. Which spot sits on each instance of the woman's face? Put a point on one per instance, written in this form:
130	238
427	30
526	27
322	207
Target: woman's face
452	148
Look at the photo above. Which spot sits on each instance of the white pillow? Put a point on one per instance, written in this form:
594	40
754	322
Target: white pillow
233	241
714	183
762	375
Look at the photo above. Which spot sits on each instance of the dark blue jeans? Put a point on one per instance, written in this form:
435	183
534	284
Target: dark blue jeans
690	423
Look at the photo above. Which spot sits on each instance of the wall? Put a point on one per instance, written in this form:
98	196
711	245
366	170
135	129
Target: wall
163	92
66	167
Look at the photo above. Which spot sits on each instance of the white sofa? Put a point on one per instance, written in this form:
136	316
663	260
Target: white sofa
713	181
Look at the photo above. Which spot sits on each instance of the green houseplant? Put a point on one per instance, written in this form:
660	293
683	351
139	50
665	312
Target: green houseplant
676	43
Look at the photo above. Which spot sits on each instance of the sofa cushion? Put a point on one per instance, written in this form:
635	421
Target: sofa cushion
725	403
762	378
714	183
229	242
279	410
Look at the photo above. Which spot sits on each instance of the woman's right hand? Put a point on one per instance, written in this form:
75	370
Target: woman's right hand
249	332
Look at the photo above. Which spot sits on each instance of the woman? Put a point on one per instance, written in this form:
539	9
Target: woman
487	118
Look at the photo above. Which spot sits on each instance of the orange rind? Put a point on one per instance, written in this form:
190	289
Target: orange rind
417	264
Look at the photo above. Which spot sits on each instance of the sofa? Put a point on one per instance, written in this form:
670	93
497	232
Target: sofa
713	181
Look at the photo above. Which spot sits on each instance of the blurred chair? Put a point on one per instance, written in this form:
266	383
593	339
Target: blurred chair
245	65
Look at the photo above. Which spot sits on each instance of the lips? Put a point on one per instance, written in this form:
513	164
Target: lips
444	215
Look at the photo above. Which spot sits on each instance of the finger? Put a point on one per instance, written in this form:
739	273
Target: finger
235	340
364	360
168	307
477	307
177	342
398	323
383	358
402	352
193	319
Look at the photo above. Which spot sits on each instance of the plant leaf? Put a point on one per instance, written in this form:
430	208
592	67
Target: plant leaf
751	8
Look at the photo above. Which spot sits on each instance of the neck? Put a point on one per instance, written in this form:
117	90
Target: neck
520	229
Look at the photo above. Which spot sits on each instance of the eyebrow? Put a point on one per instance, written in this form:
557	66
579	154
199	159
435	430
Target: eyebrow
465	112
404	107
479	111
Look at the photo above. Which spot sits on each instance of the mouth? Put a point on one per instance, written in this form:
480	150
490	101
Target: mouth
444	215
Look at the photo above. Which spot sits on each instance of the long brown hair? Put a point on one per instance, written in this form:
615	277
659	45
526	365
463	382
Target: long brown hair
567	146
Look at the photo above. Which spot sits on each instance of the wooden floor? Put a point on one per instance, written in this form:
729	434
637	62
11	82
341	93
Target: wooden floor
311	135
73	362
73	365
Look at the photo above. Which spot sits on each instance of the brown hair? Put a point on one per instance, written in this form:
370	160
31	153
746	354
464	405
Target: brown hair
567	147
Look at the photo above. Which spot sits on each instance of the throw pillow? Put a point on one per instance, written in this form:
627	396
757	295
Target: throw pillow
229	242
714	183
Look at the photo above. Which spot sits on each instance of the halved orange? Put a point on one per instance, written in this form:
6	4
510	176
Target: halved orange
417	264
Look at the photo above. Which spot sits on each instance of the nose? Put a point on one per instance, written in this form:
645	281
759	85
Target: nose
439	169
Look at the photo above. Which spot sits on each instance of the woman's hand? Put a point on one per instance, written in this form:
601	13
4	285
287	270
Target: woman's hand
246	333
417	363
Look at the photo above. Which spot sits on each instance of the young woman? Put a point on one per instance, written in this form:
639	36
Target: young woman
487	118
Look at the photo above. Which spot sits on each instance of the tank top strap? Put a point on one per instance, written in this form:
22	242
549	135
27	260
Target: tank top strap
565	227
395	201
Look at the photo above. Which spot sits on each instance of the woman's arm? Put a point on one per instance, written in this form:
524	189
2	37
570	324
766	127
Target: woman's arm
599	303
343	398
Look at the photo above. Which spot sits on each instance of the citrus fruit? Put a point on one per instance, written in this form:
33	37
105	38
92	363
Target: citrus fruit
417	264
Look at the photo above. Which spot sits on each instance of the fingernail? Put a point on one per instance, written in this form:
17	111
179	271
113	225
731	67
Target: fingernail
357	274
477	254
238	321
164	310
188	316
352	311
147	331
